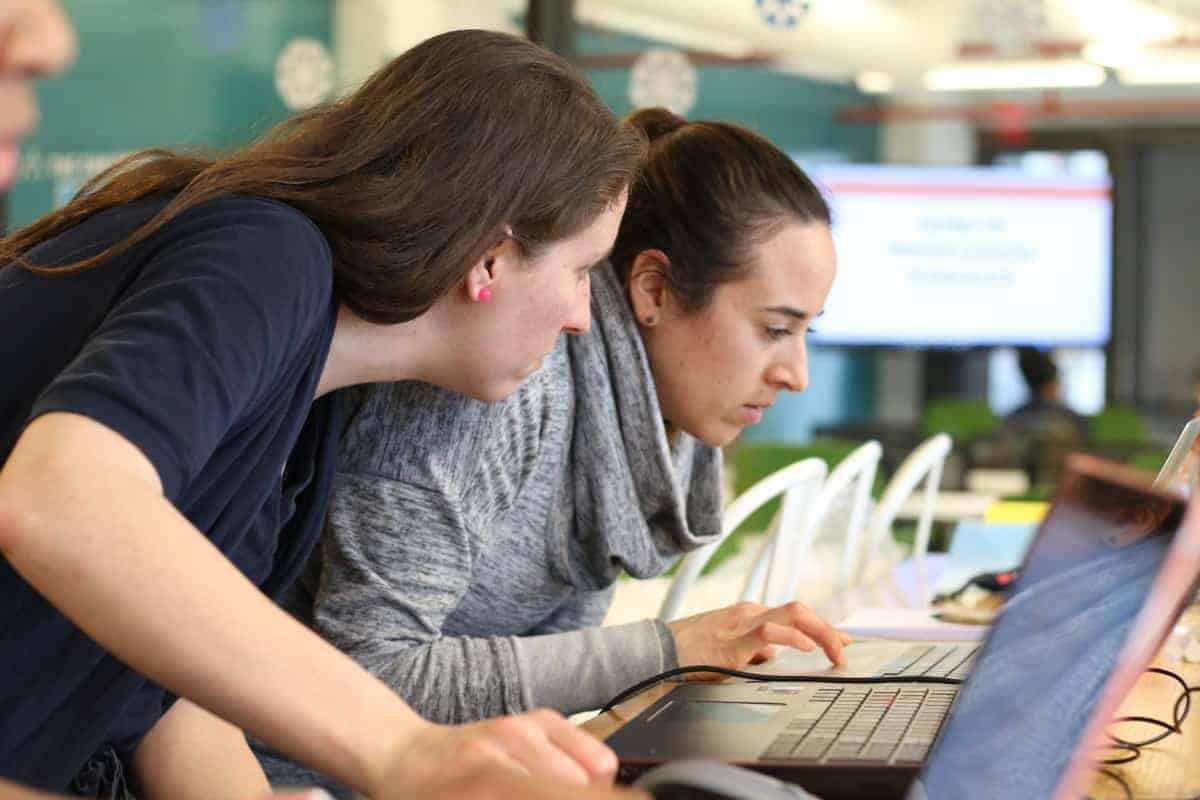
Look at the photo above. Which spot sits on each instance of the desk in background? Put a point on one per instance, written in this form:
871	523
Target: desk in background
949	506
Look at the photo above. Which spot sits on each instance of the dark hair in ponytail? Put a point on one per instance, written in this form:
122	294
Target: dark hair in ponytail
709	192
656	122
411	177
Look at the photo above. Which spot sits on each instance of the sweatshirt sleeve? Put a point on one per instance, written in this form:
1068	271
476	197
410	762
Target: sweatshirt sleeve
580	670
397	561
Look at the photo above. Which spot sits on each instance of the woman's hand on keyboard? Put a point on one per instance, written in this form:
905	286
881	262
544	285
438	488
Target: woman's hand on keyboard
747	633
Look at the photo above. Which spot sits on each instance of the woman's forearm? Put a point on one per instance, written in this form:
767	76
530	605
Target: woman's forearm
191	754
581	670
83	522
11	791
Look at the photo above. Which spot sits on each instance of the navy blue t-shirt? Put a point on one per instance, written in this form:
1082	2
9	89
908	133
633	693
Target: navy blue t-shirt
203	347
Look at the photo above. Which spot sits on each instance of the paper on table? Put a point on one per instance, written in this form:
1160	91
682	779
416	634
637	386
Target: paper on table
908	623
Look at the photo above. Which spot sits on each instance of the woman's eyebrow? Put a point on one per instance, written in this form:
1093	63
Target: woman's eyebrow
788	311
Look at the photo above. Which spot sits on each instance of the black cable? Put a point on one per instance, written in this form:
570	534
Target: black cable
1178	716
1133	754
1116	777
765	678
1186	700
1167	727
1181	708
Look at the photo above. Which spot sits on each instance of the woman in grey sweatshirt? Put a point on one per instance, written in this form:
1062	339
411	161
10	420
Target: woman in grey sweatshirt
471	550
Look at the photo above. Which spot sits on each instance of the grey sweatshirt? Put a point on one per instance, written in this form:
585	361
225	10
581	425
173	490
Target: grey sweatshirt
471	549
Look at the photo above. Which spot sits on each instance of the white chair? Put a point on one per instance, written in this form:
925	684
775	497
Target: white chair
780	569
795	482
923	464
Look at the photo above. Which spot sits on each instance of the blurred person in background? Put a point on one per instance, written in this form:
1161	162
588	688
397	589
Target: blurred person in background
1039	435
36	40
165	334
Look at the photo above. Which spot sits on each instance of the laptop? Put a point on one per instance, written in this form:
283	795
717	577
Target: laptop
880	658
1091	606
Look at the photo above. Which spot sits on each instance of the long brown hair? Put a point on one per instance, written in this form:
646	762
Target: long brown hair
709	192
410	178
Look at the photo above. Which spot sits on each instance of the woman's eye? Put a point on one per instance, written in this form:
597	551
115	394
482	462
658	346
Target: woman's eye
775	334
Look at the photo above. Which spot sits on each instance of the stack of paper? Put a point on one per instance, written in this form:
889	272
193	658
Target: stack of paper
907	623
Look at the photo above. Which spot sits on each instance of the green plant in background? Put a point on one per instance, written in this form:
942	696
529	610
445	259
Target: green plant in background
1148	460
751	461
1118	426
964	420
1036	494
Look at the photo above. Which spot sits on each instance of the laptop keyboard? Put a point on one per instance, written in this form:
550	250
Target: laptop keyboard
935	661
885	724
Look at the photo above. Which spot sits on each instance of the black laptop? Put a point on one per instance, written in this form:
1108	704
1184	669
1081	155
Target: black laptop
1020	716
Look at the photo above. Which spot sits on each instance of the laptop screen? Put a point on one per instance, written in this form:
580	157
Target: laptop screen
1022	712
1181	472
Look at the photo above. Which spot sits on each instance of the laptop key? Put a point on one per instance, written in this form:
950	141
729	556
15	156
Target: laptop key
843	751
782	747
912	752
813	747
955	665
929	661
906	659
878	751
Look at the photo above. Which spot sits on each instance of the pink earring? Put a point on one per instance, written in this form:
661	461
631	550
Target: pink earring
485	294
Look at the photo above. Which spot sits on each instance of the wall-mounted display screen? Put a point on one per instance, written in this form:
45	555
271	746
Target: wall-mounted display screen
966	256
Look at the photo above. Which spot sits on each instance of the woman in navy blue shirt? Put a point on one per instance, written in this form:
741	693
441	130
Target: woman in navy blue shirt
165	469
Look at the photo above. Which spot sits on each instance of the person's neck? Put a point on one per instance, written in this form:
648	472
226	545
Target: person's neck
365	352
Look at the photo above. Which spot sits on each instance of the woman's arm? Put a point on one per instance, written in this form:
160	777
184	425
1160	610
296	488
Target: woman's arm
191	754
396	562
397	559
83	520
11	791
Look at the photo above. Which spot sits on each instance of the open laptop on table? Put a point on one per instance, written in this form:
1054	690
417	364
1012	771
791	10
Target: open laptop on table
1104	580
894	658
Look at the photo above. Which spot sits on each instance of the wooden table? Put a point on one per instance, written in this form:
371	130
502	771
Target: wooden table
1169	770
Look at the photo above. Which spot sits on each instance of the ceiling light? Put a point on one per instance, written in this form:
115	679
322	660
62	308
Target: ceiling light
1133	21
982	75
872	81
1160	71
1110	53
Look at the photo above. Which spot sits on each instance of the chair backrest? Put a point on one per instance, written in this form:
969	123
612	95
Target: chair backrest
922	464
793	482
778	572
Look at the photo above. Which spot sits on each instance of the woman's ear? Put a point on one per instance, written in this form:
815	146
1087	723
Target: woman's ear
491	269
648	286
